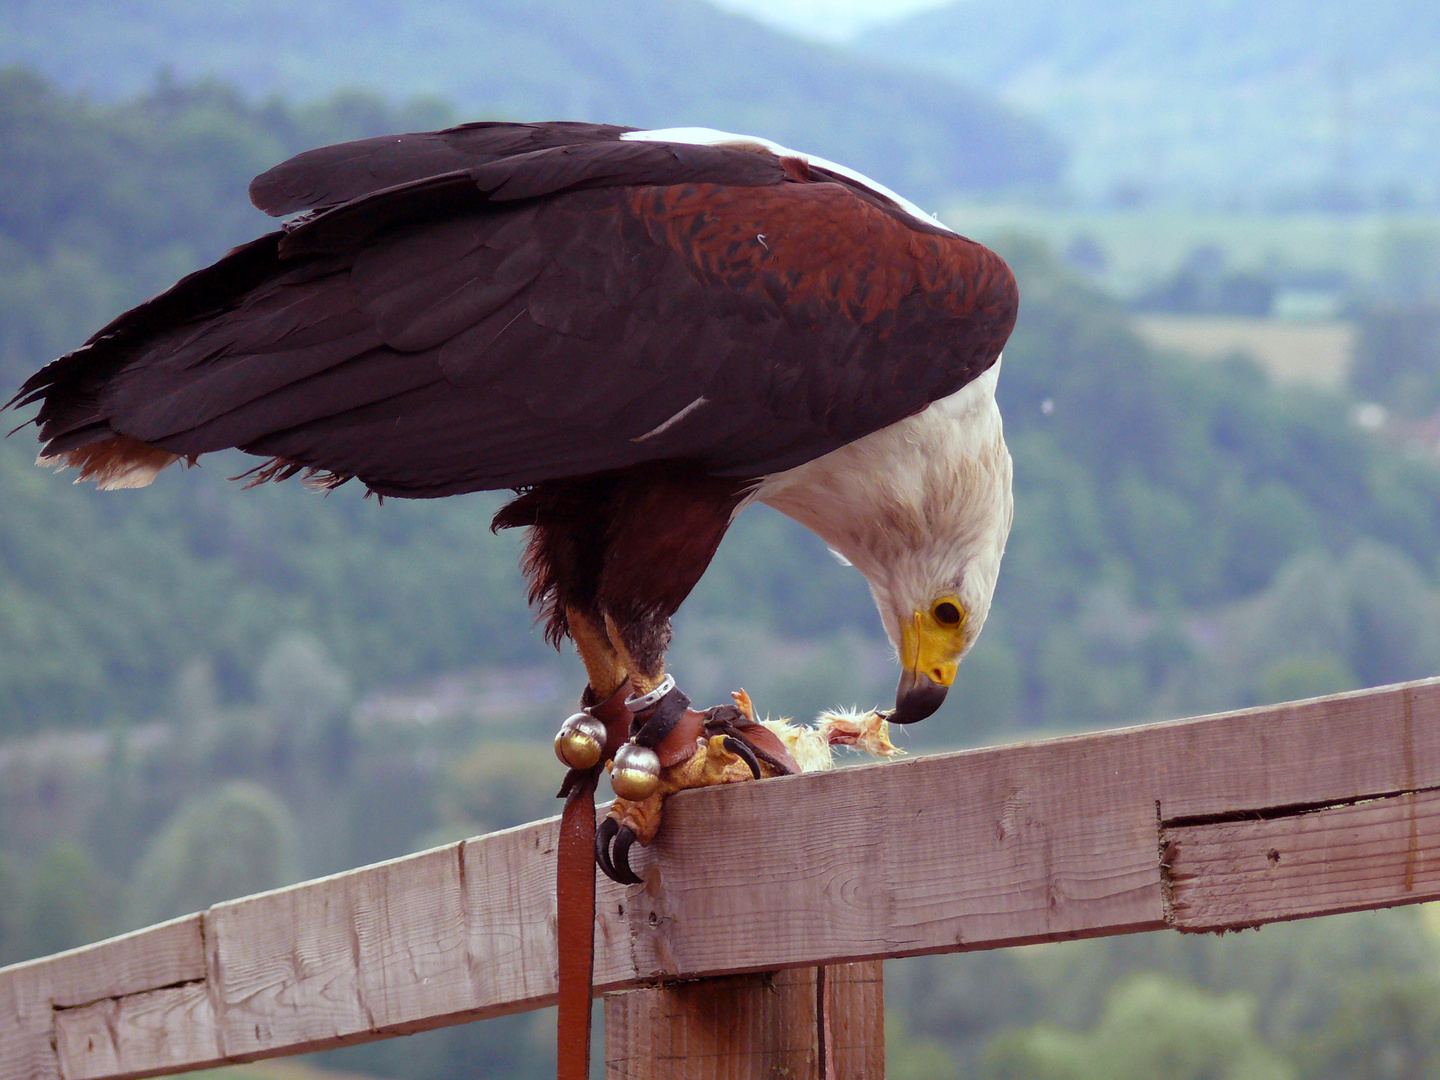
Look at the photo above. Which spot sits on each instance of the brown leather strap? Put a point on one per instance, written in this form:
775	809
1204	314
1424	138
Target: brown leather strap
575	926
680	743
768	744
575	893
615	716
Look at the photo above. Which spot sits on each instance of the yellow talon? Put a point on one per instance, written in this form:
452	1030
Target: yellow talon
711	764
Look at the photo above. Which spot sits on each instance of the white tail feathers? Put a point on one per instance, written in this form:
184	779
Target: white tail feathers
114	464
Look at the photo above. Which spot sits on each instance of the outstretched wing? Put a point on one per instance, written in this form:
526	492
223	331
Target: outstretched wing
574	308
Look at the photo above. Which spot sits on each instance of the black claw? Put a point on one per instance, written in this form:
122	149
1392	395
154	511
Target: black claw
615	861
603	835
623	874
722	720
741	749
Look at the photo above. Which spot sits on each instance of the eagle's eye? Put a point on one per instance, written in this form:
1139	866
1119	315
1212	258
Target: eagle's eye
946	613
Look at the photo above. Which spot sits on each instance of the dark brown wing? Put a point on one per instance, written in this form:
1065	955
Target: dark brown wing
573	310
331	175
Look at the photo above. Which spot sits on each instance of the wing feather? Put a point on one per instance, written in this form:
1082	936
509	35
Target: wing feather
552	309
331	175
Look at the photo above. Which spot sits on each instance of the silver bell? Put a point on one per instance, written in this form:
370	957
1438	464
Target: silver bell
580	741
637	771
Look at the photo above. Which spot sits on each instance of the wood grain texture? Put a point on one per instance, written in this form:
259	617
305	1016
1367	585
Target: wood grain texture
1014	844
383	949
139	1034
1006	845
448	935
935	855
161	955
1342	858
164	955
1308	753
752	1027
25	1029
854	1021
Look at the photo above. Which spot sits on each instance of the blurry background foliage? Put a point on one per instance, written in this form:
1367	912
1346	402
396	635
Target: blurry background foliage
1221	398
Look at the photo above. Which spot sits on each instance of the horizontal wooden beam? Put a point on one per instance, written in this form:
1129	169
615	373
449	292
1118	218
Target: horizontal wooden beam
1281	812
35	996
1231	874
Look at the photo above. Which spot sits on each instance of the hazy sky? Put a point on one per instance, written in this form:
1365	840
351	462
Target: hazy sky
827	20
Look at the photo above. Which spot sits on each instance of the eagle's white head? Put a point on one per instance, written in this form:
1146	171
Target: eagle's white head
922	508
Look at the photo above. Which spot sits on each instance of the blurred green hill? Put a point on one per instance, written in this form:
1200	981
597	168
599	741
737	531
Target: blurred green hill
206	691
1158	500
1272	104
651	63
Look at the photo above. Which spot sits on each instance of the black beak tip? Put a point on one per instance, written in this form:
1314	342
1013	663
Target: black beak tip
917	698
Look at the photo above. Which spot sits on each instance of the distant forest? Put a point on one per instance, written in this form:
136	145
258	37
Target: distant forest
1277	105
1186	537
184	670
649	63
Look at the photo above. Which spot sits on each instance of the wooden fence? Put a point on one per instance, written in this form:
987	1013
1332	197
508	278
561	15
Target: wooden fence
1218	823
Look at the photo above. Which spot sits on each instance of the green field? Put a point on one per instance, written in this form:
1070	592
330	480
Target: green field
1315	353
1143	246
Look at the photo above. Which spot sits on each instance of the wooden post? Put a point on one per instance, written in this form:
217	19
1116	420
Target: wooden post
814	1023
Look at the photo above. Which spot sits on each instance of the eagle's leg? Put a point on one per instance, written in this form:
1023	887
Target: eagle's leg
672	747
604	667
639	644
610	558
590	737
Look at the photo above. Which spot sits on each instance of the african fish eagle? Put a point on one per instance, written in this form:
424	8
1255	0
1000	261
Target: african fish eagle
640	332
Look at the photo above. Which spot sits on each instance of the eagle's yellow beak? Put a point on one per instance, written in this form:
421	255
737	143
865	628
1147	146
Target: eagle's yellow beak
930	646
